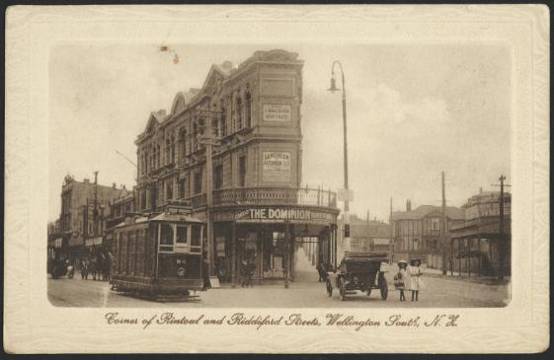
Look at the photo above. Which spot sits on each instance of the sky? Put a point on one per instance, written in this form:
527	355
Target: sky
413	110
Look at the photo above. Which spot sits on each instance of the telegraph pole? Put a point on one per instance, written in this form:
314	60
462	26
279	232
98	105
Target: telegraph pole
502	240
95	213
443	227
209	140
391	243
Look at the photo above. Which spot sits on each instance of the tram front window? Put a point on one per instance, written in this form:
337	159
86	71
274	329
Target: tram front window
166	238
196	234
181	235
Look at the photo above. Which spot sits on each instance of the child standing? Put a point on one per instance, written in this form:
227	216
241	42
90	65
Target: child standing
401	278
415	278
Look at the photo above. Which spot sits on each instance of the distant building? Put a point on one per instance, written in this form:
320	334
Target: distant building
118	210
55	237
477	245
417	233
82	213
367	235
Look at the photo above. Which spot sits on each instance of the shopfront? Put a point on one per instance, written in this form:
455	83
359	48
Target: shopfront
267	239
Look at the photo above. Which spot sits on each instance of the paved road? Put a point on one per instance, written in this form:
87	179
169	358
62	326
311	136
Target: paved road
305	292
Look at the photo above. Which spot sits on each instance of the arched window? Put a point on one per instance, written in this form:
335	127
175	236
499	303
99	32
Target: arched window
158	155
153	158
194	135
167	151
182	142
172	149
240	118
248	110
215	126
223	120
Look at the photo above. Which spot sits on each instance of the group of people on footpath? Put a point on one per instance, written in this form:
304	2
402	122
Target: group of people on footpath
408	278
96	263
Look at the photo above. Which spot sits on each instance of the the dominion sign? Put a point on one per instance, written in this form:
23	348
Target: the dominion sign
273	214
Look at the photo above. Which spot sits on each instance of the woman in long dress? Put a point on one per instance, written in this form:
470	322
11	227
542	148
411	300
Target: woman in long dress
414	270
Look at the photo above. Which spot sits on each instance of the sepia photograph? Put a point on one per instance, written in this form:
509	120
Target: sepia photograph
277	179
198	168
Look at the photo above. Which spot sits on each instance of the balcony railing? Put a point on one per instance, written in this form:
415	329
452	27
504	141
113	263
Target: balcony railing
269	196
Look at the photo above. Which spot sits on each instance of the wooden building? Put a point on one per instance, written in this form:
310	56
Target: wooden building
417	232
478	246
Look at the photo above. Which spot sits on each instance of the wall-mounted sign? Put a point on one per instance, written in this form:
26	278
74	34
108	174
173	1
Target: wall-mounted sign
276	166
280	215
274	112
344	195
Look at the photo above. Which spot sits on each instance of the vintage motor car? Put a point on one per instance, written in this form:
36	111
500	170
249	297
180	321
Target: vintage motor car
359	271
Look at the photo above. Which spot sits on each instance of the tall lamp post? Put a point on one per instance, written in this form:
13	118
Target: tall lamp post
346	194
209	140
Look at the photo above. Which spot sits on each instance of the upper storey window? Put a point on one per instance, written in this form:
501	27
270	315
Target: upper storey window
242	171
239	122
223	122
167	151
182	142
158	156
248	110
194	136
215	127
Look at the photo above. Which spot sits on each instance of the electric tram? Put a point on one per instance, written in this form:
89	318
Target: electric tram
159	256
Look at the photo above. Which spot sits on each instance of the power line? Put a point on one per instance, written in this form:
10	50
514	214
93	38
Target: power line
126	158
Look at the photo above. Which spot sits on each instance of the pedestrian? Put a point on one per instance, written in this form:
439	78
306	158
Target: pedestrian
84	268
251	269
414	270
401	278
322	271
244	273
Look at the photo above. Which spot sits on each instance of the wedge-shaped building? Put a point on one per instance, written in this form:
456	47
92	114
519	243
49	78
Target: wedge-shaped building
232	152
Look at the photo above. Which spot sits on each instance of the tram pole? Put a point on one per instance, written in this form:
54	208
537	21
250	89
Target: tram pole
287	251
234	256
347	195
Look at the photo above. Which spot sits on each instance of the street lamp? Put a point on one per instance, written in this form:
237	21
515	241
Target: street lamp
333	88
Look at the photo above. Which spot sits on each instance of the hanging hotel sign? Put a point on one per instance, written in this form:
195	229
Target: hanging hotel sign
281	215
276	166
275	112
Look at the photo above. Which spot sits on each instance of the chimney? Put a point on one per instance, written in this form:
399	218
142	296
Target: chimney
408	205
86	180
227	65
480	190
113	186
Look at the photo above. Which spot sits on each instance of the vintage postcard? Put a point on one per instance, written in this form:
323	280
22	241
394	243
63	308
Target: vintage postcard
277	179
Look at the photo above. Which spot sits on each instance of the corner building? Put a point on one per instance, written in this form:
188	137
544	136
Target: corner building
245	122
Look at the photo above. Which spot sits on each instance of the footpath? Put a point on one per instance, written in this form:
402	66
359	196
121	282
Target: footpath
486	280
